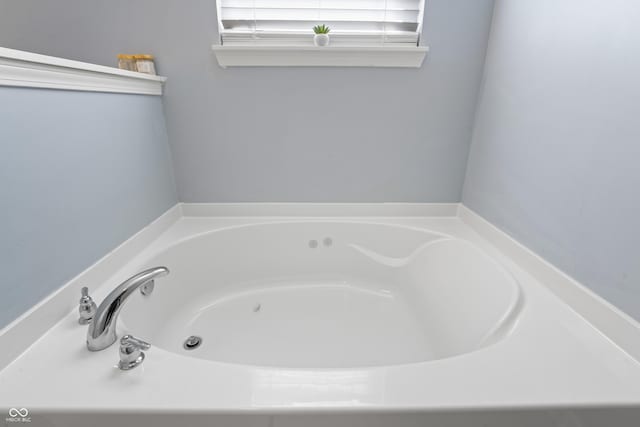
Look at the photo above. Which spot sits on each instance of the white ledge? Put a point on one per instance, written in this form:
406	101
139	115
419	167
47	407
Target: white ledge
26	69
309	56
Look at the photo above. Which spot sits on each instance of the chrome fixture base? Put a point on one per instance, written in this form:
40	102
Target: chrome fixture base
147	288
125	366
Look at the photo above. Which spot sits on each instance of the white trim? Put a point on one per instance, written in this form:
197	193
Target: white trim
619	327
17	336
319	209
331	56
26	69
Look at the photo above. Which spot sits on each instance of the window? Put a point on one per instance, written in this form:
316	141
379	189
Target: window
353	23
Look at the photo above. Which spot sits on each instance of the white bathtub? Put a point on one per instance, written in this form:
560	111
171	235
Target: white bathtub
326	294
331	321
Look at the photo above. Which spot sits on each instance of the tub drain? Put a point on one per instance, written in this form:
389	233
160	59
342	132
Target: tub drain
192	342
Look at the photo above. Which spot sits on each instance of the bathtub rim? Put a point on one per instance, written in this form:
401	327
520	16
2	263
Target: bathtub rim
618	327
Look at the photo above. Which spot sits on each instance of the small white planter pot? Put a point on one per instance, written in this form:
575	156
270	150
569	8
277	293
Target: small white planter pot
321	40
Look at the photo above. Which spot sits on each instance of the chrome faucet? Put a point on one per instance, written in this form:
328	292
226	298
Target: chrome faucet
102	329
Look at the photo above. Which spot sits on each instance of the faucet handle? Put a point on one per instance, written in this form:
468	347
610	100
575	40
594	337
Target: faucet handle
87	307
130	340
131	354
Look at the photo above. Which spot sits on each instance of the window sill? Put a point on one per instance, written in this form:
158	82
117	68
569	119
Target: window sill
26	69
311	56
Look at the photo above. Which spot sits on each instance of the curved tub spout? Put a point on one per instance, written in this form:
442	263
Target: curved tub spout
102	330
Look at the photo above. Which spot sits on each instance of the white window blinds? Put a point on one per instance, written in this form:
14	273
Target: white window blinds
290	22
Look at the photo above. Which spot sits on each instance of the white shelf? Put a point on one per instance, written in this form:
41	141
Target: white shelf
26	69
310	56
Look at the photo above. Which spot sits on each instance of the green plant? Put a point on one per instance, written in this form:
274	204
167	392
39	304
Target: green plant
321	29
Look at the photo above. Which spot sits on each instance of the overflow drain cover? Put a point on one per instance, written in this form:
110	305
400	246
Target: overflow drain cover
192	342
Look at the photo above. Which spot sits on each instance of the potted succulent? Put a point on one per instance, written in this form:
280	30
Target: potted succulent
321	37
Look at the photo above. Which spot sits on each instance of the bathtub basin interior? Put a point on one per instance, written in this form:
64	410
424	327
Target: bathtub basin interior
325	295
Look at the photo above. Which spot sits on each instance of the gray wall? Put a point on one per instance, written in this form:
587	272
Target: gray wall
285	134
80	173
555	153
